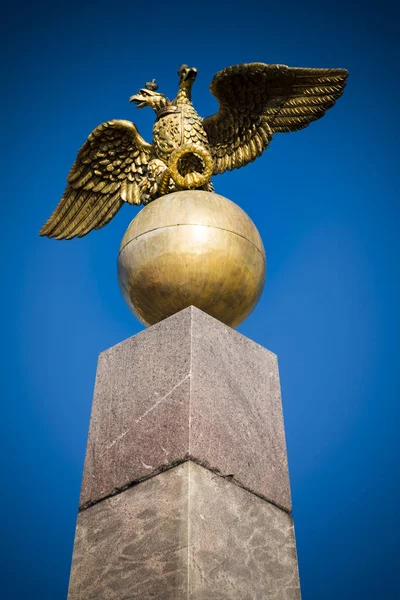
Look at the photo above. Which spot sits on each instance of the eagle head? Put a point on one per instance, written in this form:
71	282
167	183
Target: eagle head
149	96
187	76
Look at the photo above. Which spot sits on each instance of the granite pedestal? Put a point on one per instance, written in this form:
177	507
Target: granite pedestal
185	492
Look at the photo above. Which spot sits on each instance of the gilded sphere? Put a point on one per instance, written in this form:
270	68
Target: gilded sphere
191	248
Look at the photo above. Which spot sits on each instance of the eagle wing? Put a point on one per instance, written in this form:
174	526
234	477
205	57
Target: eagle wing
257	100
106	173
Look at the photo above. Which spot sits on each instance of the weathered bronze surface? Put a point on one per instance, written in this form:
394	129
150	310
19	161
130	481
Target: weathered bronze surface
116	165
191	248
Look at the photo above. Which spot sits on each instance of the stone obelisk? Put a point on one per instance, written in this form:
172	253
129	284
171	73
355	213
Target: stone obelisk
185	491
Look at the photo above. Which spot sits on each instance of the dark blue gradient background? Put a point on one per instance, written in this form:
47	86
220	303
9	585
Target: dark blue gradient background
325	202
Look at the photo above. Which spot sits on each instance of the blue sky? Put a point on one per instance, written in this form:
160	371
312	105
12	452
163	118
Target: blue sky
325	203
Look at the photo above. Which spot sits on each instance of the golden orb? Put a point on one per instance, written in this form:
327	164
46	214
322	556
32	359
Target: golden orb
191	248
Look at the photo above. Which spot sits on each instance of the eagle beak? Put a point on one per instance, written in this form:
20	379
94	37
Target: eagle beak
191	75
138	100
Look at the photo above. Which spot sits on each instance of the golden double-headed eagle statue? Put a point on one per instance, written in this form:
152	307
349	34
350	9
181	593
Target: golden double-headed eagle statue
116	165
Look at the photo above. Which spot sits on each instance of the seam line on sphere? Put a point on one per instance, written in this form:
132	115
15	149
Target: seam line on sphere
192	225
